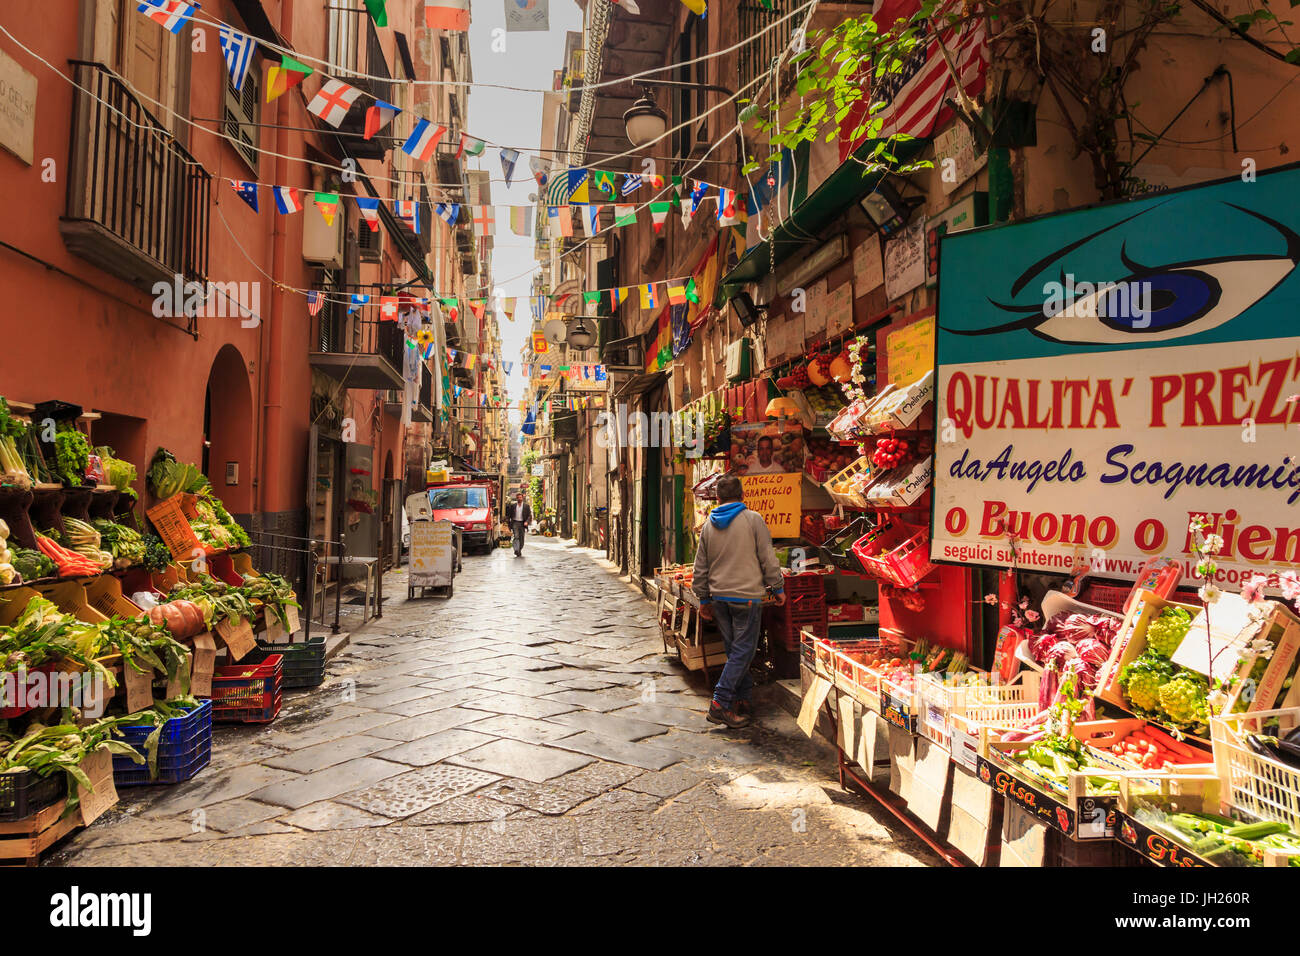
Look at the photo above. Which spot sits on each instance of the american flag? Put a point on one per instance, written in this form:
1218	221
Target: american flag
914	96
314	302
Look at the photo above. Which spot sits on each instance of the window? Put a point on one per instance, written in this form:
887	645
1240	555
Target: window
241	114
447	498
343	45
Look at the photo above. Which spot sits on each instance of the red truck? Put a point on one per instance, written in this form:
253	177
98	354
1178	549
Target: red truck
472	502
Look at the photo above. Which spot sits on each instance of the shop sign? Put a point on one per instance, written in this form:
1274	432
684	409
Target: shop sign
868	269
964	214
905	261
1106	374
955	158
17	109
1156	847
777	499
1095	819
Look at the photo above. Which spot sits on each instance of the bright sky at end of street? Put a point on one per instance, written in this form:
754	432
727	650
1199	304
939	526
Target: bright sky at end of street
529	60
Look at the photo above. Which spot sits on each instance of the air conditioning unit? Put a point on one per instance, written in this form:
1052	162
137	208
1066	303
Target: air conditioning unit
323	244
739	359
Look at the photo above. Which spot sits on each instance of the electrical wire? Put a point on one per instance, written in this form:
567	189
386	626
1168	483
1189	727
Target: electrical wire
335	69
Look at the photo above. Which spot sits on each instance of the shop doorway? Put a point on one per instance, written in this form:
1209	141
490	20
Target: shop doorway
227	431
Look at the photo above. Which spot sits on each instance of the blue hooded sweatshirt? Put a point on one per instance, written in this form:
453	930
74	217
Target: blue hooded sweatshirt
723	515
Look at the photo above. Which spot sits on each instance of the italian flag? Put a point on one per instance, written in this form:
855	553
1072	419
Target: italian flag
446	14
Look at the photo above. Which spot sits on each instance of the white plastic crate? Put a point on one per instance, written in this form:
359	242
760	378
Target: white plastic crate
1252	783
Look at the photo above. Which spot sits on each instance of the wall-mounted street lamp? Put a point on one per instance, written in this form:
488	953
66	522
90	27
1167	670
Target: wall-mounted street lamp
646	122
887	209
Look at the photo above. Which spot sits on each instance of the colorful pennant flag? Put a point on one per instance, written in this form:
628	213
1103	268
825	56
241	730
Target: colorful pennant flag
286	199
328	204
604	181
170	14
697	194
423	140
357	301
541	172
470	145
408	211
478	307
281	79
369	209
590	216
448	212
560	222
631	184
659	214
446	15
388	307
521	220
484	219
649	298
578	185
726	203
696	7
332	102
377	12
508	159
676	294
246	190
238	49
314	302
379	116
616	296
692	292
624	215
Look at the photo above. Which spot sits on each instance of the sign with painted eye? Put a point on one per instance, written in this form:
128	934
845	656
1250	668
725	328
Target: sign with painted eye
1111	371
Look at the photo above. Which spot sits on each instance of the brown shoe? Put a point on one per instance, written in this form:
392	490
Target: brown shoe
744	708
721	715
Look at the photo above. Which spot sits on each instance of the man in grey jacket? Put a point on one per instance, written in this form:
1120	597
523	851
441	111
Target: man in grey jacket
734	566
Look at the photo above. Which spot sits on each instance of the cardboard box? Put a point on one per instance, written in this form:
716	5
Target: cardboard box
205	656
899	408
98	768
1024	841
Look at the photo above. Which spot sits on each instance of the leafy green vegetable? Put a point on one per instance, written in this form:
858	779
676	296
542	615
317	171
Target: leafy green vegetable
32	564
168	477
72	456
117	472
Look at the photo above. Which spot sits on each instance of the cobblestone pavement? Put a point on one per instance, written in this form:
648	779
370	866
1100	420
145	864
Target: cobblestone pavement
531	719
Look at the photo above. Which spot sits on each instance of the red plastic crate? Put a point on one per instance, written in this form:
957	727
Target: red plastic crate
799	613
898	553
248	693
805	582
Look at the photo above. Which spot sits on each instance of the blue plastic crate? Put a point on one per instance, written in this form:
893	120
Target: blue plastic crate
184	748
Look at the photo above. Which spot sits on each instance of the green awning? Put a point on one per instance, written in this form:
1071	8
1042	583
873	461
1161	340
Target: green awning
841	189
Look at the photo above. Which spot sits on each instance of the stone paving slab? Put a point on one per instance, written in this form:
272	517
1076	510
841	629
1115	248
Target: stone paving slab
352	775
520	706
425	725
423	751
641	755
610	725
514	758
328	753
522	728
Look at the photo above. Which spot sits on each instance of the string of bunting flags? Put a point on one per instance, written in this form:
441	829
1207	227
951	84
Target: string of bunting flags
333	101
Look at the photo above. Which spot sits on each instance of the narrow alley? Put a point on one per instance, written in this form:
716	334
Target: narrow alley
531	719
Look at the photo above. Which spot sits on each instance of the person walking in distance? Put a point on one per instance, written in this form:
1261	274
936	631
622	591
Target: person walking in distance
734	566
520	515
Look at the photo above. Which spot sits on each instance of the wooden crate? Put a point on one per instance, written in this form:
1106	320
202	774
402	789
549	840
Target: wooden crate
23	841
1069	809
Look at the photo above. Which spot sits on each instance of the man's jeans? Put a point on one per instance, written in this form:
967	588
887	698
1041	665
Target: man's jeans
740	625
517	536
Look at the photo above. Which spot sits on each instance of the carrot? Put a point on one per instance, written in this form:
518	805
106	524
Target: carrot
1177	747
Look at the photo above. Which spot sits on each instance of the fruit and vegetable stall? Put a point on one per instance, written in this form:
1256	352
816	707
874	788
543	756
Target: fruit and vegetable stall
127	628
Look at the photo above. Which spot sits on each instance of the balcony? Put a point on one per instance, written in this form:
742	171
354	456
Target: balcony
355	47
423	411
137	201
358	350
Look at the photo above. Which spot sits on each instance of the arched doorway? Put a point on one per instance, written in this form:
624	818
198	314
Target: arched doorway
228	431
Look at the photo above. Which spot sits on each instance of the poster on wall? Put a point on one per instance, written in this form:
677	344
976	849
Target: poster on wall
1108	373
766	448
868	269
839	310
778	499
905	261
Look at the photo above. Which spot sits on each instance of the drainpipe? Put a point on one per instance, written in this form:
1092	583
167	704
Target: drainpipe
271	339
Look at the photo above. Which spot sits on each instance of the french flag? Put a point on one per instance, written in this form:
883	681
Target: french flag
286	200
423	140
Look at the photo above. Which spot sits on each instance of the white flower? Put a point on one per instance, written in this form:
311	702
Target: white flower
1213	543
1209	593
1217	701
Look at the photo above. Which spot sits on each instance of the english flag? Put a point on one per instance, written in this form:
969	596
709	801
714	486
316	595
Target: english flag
332	102
423	140
446	14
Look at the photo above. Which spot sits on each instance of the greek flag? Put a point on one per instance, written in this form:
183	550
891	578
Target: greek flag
238	50
631	184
